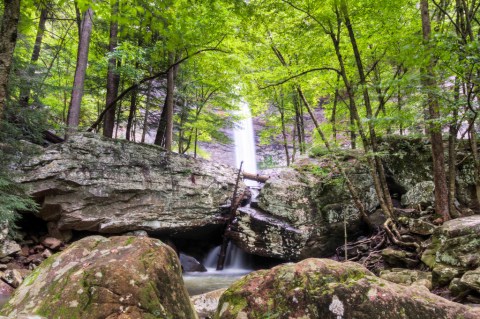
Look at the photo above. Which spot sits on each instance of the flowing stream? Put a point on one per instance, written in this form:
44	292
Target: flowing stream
237	262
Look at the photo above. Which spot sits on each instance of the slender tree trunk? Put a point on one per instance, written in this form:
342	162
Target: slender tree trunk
429	83
147	111
294	144
27	83
351	188
284	135
472	135
8	39
170	105
73	118
452	150
113	78
375	164
131	115
165	129
333	119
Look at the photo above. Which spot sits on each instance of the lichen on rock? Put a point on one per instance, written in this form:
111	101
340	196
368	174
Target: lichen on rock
96	277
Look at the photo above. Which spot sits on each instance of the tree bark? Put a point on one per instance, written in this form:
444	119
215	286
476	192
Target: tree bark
255	177
27	83
131	115
8	39
73	118
113	78
147	111
165	129
436	140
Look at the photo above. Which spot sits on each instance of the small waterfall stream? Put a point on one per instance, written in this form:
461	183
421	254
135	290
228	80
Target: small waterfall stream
245	142
237	262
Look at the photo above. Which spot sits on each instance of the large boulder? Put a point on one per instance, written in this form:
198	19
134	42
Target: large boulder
321	288
114	278
455	249
301	214
114	186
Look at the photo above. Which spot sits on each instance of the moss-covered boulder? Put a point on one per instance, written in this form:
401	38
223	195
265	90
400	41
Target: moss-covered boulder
98	277
455	249
322	288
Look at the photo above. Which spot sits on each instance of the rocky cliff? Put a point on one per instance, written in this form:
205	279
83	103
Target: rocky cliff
112	186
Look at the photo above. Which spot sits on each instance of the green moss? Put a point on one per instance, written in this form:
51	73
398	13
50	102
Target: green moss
129	241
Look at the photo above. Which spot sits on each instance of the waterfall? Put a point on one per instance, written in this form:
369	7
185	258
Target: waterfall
245	142
236	260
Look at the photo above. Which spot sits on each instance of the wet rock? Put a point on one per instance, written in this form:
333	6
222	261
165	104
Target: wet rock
206	304
408	277
98	277
112	186
454	249
321	288
190	264
399	258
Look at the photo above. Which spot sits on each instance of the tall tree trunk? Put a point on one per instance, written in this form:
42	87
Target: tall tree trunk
27	83
170	102
147	111
8	39
113	78
434	128
452	150
165	129
131	115
80	71
370	142
472	136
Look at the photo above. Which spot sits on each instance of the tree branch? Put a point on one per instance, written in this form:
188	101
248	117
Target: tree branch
147	79
299	75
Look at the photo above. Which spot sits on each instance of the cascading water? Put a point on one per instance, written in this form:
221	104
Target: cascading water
244	137
237	262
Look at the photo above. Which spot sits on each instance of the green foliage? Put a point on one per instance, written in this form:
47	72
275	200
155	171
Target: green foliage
20	125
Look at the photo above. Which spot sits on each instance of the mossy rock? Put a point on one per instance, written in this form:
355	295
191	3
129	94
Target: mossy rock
322	288
454	249
98	277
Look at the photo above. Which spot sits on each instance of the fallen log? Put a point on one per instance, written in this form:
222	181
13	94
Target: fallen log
52	138
255	177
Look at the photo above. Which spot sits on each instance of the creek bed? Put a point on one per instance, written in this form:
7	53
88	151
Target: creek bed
201	282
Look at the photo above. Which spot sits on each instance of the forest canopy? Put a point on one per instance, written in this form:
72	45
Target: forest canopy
170	72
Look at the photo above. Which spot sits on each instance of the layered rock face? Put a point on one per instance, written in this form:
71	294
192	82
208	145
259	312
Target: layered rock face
301	214
111	186
96	277
454	249
320	288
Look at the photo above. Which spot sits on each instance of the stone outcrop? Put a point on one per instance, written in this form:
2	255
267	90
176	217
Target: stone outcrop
96	277
112	186
318	288
206	304
408	277
301	214
455	249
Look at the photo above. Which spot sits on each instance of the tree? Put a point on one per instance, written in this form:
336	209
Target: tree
8	39
85	32
435	129
113	78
